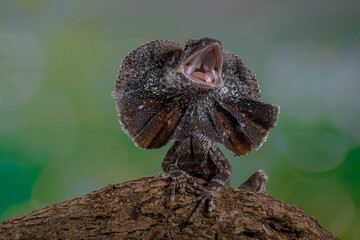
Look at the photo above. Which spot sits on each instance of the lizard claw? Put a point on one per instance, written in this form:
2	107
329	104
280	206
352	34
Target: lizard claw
206	194
179	175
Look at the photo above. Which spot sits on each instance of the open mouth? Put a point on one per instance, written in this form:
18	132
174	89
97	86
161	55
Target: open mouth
204	66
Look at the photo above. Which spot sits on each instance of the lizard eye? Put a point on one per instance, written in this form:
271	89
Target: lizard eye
204	66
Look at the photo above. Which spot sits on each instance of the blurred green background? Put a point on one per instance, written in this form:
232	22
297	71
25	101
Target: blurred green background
59	135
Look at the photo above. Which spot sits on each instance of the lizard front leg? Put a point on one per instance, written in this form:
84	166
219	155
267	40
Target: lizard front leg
256	182
172	171
208	193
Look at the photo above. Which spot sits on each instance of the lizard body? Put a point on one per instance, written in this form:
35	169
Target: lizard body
196	97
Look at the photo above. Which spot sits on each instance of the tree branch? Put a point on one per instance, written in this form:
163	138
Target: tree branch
141	209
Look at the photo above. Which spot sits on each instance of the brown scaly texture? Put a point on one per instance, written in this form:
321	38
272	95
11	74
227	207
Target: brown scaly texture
156	104
139	209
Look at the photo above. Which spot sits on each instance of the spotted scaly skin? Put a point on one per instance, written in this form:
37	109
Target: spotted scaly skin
195	96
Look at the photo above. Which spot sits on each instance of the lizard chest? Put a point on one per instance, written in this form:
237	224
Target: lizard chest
194	157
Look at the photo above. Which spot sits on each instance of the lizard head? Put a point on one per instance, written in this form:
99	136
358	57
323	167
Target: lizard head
202	62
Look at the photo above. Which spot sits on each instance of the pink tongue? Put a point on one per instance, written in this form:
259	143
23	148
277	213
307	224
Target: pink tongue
204	77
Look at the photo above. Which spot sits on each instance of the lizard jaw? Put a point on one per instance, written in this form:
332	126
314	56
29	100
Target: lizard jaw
204	66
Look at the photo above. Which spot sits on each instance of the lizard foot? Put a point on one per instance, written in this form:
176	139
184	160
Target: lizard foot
205	194
257	182
179	175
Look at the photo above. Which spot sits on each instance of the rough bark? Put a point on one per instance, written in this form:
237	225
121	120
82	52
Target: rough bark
141	209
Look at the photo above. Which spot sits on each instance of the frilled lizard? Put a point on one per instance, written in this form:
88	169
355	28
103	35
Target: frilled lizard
197	96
